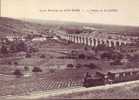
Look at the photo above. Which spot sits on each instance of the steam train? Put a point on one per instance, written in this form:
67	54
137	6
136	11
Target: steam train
110	77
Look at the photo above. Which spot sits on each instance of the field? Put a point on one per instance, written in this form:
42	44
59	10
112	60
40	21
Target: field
121	91
128	90
61	77
46	80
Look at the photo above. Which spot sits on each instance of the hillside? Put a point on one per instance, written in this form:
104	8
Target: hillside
130	30
9	26
37	26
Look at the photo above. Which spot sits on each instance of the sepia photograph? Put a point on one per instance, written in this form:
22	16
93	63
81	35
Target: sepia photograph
69	49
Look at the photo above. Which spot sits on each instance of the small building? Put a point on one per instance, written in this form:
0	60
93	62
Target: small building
38	39
124	60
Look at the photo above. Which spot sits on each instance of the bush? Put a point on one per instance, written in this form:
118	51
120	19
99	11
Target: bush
21	46
70	66
92	66
51	70
26	68
9	63
37	69
78	66
42	56
81	56
28	55
15	63
117	56
18	73
85	48
106	55
34	49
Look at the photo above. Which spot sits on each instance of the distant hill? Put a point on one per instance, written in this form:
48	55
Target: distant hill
9	26
130	30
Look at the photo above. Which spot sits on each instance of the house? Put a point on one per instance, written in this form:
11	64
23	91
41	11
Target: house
38	39
124	60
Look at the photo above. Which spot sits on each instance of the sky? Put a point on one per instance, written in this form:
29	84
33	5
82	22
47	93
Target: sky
119	12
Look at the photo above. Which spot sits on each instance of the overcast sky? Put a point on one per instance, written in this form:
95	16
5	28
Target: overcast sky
123	12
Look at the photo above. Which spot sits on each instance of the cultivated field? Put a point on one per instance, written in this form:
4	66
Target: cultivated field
127	90
47	80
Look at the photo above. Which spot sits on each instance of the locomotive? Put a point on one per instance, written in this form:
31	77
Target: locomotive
110	77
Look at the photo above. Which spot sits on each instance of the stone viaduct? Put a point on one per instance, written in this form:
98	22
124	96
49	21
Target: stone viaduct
92	40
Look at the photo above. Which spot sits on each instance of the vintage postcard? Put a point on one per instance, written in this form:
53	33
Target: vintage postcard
69	49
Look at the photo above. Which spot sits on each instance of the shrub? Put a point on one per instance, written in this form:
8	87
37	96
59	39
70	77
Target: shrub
9	62
18	73
34	49
78	66
81	56
85	48
70	66
36	69
15	63
42	56
106	55
21	46
26	68
117	56
92	66
28	55
51	70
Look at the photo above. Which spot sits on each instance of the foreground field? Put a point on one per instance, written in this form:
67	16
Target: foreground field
128	90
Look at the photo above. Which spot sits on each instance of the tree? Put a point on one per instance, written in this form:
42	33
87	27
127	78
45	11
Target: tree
21	46
85	48
81	56
70	66
91	66
28	55
18	73
15	63
42	56
78	65
37	69
26	68
106	55
17	46
117	56
52	70
12	47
